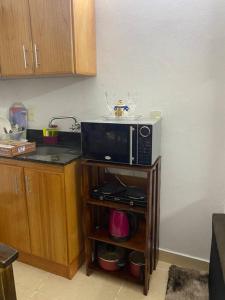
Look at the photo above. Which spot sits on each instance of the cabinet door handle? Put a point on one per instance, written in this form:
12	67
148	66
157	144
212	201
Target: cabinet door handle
27	181
16	185
36	56
25	57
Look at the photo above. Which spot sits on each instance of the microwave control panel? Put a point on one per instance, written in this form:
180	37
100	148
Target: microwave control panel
144	145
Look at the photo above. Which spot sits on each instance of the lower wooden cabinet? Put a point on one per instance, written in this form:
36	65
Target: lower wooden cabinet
14	229
47	214
40	214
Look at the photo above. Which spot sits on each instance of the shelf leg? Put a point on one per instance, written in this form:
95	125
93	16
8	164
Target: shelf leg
157	214
146	288
153	223
88	271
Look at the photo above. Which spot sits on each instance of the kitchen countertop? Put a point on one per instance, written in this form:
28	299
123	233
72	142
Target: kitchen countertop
56	154
67	150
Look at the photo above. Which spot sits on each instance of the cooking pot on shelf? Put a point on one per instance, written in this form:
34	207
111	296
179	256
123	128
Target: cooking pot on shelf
122	225
137	264
111	258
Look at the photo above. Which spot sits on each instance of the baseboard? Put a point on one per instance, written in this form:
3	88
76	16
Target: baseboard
183	261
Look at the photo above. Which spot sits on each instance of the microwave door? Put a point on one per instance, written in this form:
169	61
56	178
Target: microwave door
109	142
122	142
117	143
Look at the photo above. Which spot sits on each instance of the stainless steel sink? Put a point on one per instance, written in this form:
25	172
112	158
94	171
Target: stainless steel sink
52	154
55	150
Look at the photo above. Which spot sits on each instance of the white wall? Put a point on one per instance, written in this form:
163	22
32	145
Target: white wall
172	54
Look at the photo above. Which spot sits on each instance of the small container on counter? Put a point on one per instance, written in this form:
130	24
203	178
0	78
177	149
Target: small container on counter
50	135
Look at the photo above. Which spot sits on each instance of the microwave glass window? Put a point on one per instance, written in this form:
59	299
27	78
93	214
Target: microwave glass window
112	140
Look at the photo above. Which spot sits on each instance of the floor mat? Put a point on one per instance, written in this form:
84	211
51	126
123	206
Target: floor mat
186	284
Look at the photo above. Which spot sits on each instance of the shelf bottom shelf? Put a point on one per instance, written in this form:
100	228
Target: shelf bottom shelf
122	273
137	242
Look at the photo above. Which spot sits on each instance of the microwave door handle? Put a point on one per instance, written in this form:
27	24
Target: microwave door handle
131	145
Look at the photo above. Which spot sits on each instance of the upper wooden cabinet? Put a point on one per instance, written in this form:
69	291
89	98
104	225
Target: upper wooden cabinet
15	38
51	23
52	37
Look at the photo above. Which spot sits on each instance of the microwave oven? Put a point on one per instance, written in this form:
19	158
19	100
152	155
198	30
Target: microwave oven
126	142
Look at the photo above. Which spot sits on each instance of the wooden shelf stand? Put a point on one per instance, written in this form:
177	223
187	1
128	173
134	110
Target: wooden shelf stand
146	239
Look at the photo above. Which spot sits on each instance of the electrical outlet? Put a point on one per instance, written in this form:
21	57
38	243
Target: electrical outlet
155	114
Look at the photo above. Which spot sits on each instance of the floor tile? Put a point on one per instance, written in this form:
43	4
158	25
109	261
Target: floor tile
35	284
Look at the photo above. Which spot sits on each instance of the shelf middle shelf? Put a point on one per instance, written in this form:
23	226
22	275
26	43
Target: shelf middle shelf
137	242
117	205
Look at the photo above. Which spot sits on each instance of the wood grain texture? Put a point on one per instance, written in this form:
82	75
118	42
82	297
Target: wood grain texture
51	23
35	165
67	271
115	205
42	38
157	221
84	36
99	164
53	213
47	215
137	242
74	210
14	229
15	34
146	239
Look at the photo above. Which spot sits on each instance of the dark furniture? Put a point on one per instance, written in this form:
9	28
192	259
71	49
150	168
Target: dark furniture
217	259
146	239
7	286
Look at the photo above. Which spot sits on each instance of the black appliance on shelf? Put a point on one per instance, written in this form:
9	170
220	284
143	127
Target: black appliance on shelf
115	192
126	142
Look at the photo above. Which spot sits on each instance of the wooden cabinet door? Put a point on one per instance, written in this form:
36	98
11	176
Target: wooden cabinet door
47	214
51	23
15	36
14	230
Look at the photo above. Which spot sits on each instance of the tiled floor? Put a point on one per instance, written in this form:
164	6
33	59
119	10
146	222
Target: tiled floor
35	284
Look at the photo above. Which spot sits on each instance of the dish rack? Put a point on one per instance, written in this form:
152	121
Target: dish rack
14	136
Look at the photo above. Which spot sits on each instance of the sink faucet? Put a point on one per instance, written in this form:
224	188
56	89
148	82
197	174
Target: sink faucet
75	126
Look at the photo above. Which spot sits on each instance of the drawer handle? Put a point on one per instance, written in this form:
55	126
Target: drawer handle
25	57
36	50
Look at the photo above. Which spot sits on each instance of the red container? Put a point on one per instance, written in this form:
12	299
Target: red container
109	265
119	227
122	225
111	260
137	264
50	140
